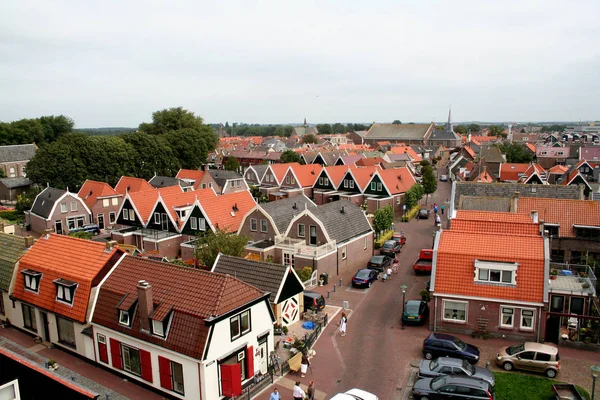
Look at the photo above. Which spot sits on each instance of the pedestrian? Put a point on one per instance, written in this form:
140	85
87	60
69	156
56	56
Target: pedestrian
311	390
437	219
275	395
442	209
389	272
435	209
343	322
298	393
304	364
395	267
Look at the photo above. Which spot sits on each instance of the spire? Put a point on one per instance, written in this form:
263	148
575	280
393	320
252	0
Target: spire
305	121
449	127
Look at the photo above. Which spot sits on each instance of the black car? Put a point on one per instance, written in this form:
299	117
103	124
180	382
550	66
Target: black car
441	345
364	277
415	312
313	299
423	214
452	387
379	263
390	248
453	366
91	228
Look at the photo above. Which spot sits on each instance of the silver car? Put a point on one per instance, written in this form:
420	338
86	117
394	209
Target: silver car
453	366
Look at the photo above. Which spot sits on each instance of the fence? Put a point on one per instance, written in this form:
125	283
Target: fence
313	281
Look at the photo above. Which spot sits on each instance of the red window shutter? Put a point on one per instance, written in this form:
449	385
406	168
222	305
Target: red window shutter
103	352
146	362
231	379
249	362
164	366
115	353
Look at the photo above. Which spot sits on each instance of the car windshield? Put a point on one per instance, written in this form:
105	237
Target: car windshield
461	345
469	368
412	307
517	348
433	364
437	383
363	273
423	211
389	244
377	259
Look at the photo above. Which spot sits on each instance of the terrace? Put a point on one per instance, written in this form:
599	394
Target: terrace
300	248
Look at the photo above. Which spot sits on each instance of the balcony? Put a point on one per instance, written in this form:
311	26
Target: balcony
301	249
572	279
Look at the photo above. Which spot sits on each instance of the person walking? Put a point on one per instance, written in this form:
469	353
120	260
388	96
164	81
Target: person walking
298	393
442	209
389	272
304	364
435	208
310	392
438	221
275	395
343	322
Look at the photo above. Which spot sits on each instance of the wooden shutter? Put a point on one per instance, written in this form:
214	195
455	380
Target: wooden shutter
115	354
249	362
146	361
103	350
164	366
231	380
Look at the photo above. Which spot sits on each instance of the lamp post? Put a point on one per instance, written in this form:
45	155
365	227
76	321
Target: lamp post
595	371
403	287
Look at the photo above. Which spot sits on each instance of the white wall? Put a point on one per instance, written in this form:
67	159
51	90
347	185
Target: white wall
8	310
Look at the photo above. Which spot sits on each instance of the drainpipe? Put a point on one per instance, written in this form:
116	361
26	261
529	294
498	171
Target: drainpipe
539	323
435	313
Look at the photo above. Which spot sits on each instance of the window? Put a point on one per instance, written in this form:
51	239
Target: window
553	230
202	224
253	224
527	355
263	225
177	372
507	317
124	318
158	328
326	181
131	215
75	222
131	360
32	280
455	311
115	201
193	223
527	319
301	230
321	180
287	179
63	207
65	290
379	187
239	325
23	173
29	317
313	234
73	206
12	172
292	180
112	217
344	252
373	186
496	272
345	183
125	214
157	218
398	200
288	259
542	356
66	331
351	183
105	203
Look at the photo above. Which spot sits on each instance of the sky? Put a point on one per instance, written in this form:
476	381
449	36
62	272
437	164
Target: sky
113	63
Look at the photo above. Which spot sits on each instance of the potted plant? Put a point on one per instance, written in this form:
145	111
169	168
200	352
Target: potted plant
52	365
277	330
285	330
314	309
554	274
425	295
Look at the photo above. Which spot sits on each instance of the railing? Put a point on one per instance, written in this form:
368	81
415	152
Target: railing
300	248
578	270
313	281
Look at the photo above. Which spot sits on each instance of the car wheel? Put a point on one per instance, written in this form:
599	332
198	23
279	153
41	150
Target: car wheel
507	366
551	373
428	355
369	285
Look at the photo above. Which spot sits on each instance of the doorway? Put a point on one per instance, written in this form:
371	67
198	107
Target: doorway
101	221
165	223
262	356
46	327
577	304
58	227
552	329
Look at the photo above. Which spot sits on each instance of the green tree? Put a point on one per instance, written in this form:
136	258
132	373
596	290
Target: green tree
498	131
460	129
338	128
474	128
516	153
429	181
232	164
310	138
25	199
209	246
396	122
2	174
325	129
151	154
56	126
289	156
554	128
413	195
383	219
82	235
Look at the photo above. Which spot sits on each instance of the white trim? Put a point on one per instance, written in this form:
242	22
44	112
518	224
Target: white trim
91	309
496	266
357	185
389	193
456	321
311	215
287	272
501	315
525	328
296	182
490	299
259	208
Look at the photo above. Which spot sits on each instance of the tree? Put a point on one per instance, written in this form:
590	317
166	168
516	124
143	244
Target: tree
460	129
232	164
413	195
310	138
324	129
498	131
474	128
289	156
383	219
429	180
396	122
516	153
339	128
152	154
209	246
25	199
2	174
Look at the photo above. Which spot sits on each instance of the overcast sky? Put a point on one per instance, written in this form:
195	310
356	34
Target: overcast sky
113	63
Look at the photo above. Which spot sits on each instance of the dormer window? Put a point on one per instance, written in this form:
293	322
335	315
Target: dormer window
124	318
158	328
32	280
65	290
496	272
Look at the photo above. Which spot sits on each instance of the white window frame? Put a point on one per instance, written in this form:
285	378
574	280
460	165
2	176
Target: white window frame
527	328
115	201
398	200
379	187
125	214
351	183
263	223
512	313
303	234
489	266
344	252
65	294
158	328
131	215
157	218
320	180
373	185
345	183
105	203
124	318
456	321
193	223
253	225
112	217
64	208
32	281
326	181
73	206
201	224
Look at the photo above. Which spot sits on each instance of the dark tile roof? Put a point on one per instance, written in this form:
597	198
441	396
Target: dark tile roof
12	183
443	135
44	202
342	226
17	152
491	154
282	211
166	181
193	294
474	203
260	169
397	131
221	176
13	247
265	276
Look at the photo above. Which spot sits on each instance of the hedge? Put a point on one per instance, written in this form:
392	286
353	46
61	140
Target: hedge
387	235
11	215
411	213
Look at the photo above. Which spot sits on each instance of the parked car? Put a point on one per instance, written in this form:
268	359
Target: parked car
399	237
444	178
355	394
364	277
452	387
390	248
423	214
90	228
379	263
313	299
453	366
415	312
443	345
530	356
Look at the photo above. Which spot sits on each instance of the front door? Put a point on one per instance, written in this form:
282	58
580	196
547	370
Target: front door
576	305
101	221
58	227
262	356
46	328
164	222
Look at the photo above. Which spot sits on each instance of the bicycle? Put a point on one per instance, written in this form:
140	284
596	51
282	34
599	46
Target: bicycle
275	361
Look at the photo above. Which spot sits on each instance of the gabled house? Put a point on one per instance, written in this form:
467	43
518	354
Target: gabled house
224	181
575	177
512	172
329	181
55	287
548	157
534	174
103	201
13	247
556	172
191	176
159	182
14	158
187	332
387	187
300	179
58	210
254	174
132	184
11	188
281	282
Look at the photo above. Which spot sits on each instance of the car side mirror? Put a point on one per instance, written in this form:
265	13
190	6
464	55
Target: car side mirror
518	357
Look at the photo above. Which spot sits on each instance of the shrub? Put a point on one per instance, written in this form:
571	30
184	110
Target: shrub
387	235
411	213
10	215
305	274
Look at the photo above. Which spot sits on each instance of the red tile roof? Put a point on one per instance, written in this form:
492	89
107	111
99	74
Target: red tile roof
91	190
336	173
494	222
403	149
279	170
192	294
145	201
363	175
183	199
366	162
221	213
397	180
565	213
470	151
134	185
484	176
558	169
191	174
77	260
307	174
510	171
531	147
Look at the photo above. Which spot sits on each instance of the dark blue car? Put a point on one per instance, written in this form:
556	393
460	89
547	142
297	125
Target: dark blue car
364	277
442	345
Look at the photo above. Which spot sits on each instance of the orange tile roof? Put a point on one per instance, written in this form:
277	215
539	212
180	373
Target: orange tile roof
494	222
565	213
458	250
336	174
397	180
219	212
531	147
469	150
91	190
484	177
307	174
66	257
363	175
191	174
403	149
174	200
279	170
484	138
368	161
511	171
145	201
558	169
134	184
531	170
507	217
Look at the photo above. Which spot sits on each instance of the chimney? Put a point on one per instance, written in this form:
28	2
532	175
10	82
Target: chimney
47	233
534	216
295	207
581	191
343	210
145	306
514	200
28	241
542	229
110	244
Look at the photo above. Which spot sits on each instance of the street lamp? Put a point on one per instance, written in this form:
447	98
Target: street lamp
595	371
403	287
